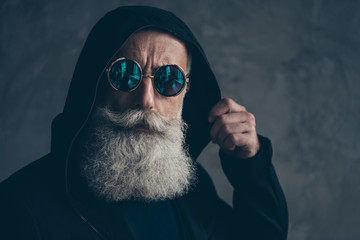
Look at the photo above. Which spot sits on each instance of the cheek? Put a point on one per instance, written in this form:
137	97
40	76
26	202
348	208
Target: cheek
172	106
113	99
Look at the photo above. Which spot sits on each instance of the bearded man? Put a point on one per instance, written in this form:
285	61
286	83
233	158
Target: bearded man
142	104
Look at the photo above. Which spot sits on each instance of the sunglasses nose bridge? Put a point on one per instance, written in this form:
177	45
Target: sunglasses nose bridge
148	76
146	92
143	80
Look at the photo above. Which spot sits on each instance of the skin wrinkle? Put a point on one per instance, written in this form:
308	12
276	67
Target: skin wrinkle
135	141
150	49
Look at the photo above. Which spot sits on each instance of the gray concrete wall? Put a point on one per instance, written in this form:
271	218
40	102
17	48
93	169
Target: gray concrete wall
294	64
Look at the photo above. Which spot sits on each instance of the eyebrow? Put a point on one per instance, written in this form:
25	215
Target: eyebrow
154	68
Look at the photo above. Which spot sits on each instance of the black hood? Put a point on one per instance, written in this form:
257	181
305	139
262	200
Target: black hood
104	40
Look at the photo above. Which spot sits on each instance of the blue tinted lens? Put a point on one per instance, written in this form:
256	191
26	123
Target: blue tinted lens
169	80
124	75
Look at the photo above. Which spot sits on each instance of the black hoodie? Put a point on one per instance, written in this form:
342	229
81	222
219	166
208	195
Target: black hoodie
48	199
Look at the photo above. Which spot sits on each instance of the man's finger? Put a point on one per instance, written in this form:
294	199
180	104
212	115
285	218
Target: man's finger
233	128
225	105
229	118
235	140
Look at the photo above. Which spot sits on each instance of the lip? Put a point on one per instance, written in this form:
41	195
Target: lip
142	127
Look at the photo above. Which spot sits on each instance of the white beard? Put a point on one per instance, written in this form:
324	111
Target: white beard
124	163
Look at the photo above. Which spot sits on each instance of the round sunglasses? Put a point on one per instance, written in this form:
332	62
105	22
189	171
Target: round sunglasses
125	75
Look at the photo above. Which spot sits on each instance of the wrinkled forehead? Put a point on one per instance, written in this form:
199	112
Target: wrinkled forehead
152	37
155	46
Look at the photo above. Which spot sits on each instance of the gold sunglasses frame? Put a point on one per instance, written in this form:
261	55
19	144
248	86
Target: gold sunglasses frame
142	76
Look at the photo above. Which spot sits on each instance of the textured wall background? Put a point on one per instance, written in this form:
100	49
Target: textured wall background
294	64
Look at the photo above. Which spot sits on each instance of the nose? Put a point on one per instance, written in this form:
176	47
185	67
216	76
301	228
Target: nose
145	93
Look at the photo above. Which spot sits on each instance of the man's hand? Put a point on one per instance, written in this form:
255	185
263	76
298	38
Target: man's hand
234	129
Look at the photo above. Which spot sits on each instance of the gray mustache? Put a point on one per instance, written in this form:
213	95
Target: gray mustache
132	117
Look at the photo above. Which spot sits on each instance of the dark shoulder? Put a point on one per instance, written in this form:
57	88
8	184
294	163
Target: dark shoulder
37	175
204	192
205	184
19	195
